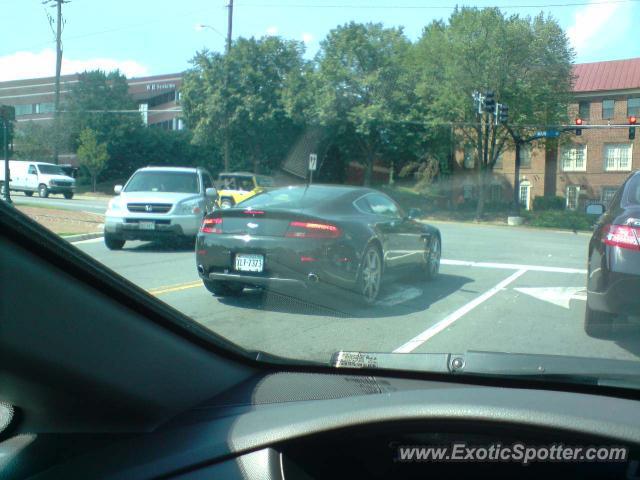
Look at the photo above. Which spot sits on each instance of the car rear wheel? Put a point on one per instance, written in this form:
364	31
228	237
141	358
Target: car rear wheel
432	259
43	191
68	195
598	324
29	194
223	289
113	243
370	275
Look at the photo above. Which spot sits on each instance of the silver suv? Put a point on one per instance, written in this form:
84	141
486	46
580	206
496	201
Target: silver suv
159	202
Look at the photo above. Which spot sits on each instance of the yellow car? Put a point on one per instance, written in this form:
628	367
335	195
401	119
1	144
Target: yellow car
238	186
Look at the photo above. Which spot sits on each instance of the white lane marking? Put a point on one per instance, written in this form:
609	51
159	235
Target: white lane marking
401	296
560	296
91	240
513	266
421	338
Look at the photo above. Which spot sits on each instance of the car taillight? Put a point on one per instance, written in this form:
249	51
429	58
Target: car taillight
623	236
312	230
211	225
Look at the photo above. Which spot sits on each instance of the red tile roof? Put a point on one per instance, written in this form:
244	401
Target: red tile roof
611	75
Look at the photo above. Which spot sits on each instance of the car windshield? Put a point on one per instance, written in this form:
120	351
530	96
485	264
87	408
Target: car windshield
175	182
390	177
50	170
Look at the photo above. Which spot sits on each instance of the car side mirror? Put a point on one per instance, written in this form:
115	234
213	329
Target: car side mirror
211	192
595	209
117	189
414	213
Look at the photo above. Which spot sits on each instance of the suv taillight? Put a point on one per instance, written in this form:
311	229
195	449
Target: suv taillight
211	225
623	236
312	230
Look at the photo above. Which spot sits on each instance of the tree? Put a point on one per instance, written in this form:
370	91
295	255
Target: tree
101	102
364	88
91	154
525	61
256	100
36	141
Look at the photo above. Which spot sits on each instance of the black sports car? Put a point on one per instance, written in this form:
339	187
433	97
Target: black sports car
613	280
314	236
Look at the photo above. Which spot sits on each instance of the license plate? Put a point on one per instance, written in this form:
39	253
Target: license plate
147	225
249	263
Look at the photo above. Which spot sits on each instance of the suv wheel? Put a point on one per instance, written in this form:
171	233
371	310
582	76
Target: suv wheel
68	195
112	242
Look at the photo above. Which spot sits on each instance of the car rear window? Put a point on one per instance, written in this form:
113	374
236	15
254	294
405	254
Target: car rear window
292	197
633	191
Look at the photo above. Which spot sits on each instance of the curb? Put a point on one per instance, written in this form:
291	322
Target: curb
83	236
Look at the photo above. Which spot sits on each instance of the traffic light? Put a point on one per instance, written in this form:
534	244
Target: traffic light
632	130
503	113
489	102
578	130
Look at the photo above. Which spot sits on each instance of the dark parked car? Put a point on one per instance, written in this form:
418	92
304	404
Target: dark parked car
310	237
613	281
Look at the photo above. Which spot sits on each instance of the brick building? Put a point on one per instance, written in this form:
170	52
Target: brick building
589	167
157	98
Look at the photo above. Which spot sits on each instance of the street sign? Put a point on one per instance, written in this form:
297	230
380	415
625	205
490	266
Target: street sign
313	162
547	134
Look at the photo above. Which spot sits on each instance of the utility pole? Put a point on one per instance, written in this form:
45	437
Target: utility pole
226	108
58	34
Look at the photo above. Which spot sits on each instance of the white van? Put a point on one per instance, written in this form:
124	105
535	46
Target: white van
44	178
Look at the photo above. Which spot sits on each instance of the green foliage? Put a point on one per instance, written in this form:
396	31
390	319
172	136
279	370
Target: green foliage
566	219
251	95
548	203
92	155
363	88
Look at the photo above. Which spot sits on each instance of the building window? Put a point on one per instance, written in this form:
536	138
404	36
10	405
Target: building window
608	107
525	195
467	192
24	109
633	106
573	192
45	107
525	156
496	193
574	158
584	109
617	157
607	194
469	156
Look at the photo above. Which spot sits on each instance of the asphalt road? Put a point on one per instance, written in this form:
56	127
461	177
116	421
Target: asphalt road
507	289
80	203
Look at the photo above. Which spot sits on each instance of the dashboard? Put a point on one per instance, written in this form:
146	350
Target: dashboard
306	425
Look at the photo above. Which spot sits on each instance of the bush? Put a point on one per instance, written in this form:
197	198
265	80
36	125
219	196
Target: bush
548	203
568	219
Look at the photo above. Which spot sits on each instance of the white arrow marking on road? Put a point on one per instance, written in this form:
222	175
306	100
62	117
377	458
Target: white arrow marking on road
560	296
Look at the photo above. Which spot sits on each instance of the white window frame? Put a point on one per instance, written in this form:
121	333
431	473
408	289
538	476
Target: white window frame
616	165
529	150
526	187
577	197
573	166
611	190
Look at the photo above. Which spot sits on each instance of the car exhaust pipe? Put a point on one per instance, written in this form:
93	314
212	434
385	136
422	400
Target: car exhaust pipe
312	278
200	269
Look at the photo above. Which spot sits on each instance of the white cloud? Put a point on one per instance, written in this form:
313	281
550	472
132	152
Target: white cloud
21	65
272	30
307	37
591	21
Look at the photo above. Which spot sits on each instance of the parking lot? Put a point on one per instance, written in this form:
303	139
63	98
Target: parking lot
500	289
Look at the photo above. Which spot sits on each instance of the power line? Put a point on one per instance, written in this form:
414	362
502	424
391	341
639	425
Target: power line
429	7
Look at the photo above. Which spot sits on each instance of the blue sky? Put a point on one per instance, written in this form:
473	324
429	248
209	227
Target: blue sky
144	37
